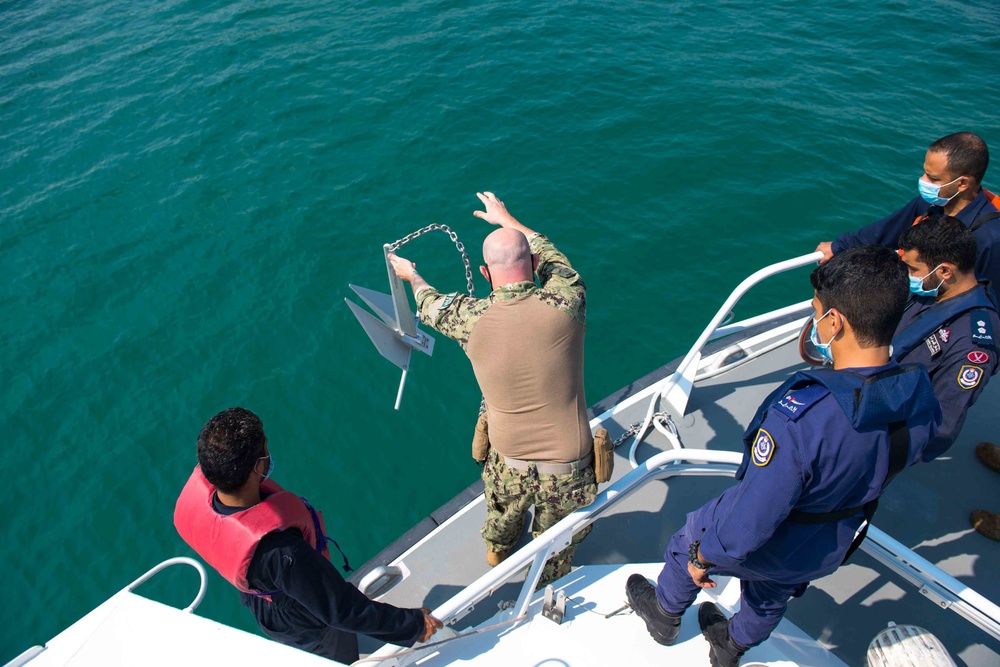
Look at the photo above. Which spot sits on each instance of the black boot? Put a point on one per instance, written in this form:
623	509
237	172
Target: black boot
723	651
662	625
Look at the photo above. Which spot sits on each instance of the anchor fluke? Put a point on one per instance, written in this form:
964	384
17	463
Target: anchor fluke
387	342
394	333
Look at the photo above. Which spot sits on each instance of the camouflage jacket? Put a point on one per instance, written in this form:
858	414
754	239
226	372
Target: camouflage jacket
456	314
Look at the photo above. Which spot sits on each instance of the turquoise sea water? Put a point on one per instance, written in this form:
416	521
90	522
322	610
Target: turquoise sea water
186	188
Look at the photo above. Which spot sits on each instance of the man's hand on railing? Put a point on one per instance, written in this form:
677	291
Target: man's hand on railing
826	247
431	625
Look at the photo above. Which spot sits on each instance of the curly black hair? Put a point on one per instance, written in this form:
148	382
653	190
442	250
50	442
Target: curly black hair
229	446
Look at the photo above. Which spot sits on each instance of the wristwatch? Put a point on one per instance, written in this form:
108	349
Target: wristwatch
693	556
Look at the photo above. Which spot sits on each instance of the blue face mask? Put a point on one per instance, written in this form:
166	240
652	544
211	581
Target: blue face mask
270	466
931	193
822	348
917	284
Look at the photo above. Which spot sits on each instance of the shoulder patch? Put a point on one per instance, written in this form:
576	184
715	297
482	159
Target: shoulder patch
763	448
795	402
969	376
982	328
448	300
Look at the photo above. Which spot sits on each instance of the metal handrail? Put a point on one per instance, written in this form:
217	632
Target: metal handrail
743	325
934	583
676	388
179	560
948	592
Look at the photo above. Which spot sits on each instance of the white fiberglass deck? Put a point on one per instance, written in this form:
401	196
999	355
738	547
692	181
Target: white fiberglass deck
131	631
587	639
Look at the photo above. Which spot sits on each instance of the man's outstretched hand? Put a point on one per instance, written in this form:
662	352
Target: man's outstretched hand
495	213
431	625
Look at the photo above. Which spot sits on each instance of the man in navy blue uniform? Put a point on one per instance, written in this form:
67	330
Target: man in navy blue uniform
954	167
949	323
817	455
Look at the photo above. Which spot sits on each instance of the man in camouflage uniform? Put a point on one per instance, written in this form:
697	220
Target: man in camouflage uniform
526	348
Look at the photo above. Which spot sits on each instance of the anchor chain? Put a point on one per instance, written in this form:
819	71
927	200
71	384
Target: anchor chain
393	247
665	420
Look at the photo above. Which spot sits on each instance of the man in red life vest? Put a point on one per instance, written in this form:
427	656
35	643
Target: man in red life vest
271	545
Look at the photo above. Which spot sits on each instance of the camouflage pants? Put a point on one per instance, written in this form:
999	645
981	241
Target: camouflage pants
509	494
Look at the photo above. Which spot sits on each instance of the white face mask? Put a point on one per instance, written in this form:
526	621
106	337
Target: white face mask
917	284
822	348
270	466
932	193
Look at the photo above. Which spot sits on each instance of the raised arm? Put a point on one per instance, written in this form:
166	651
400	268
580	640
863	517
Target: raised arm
562	286
496	214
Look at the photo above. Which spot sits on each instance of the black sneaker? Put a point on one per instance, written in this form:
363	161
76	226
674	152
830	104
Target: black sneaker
723	651
662	625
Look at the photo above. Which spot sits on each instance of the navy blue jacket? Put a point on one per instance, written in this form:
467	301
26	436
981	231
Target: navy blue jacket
955	341
886	232
812	450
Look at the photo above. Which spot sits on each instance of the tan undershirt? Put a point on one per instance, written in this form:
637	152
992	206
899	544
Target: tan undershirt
528	359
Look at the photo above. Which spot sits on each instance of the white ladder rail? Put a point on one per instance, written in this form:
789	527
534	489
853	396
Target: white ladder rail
676	389
933	582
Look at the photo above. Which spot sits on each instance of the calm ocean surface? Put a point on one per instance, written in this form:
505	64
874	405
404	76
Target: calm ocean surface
186	189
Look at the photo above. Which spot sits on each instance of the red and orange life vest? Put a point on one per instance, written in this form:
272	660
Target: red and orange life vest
228	542
992	198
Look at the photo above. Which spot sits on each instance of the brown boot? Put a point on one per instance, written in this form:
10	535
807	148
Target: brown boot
986	524
494	558
989	454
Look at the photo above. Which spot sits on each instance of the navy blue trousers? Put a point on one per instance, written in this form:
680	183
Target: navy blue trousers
762	602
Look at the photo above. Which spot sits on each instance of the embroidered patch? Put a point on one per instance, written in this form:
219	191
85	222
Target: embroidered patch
982	330
791	404
978	357
795	403
763	448
933	345
448	300
944	334
968	378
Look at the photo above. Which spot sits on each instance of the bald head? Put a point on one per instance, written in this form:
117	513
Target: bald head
506	248
508	256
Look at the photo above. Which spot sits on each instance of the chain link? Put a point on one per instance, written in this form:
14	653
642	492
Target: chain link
665	419
393	247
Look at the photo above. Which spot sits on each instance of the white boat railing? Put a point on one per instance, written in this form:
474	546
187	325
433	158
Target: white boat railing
676	388
178	560
933	582
29	655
